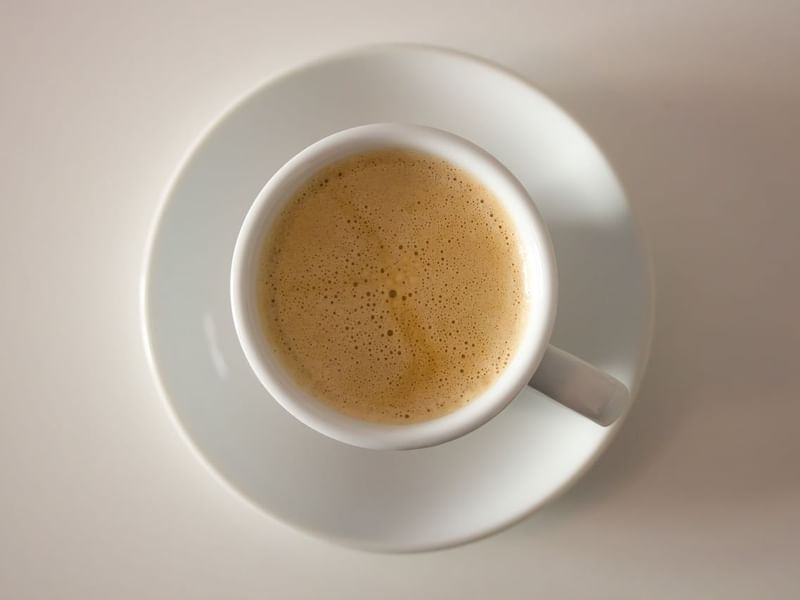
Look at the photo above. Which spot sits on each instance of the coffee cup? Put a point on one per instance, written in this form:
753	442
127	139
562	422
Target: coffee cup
534	362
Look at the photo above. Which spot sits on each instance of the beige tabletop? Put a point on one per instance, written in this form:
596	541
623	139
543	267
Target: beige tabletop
696	104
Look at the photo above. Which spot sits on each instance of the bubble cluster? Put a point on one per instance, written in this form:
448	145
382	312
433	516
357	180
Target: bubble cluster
391	286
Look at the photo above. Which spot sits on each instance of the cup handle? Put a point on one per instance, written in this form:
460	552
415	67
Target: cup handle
578	385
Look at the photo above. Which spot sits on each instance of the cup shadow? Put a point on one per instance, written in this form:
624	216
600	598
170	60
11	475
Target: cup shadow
591	313
596	322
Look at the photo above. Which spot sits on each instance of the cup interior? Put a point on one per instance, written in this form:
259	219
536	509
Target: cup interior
539	280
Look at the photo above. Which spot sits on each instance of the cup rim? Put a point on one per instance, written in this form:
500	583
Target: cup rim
538	263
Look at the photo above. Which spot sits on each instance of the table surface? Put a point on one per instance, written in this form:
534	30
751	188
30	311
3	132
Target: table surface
696	104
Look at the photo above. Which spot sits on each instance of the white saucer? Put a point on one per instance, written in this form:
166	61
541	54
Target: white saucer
391	501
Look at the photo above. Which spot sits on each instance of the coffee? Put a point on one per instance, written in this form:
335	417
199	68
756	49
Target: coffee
391	287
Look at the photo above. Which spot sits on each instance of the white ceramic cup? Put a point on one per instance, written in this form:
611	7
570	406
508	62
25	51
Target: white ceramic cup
558	374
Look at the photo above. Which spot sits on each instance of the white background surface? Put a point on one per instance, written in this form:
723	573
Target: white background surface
696	104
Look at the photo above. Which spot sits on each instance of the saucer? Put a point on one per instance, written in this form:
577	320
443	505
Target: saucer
404	500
